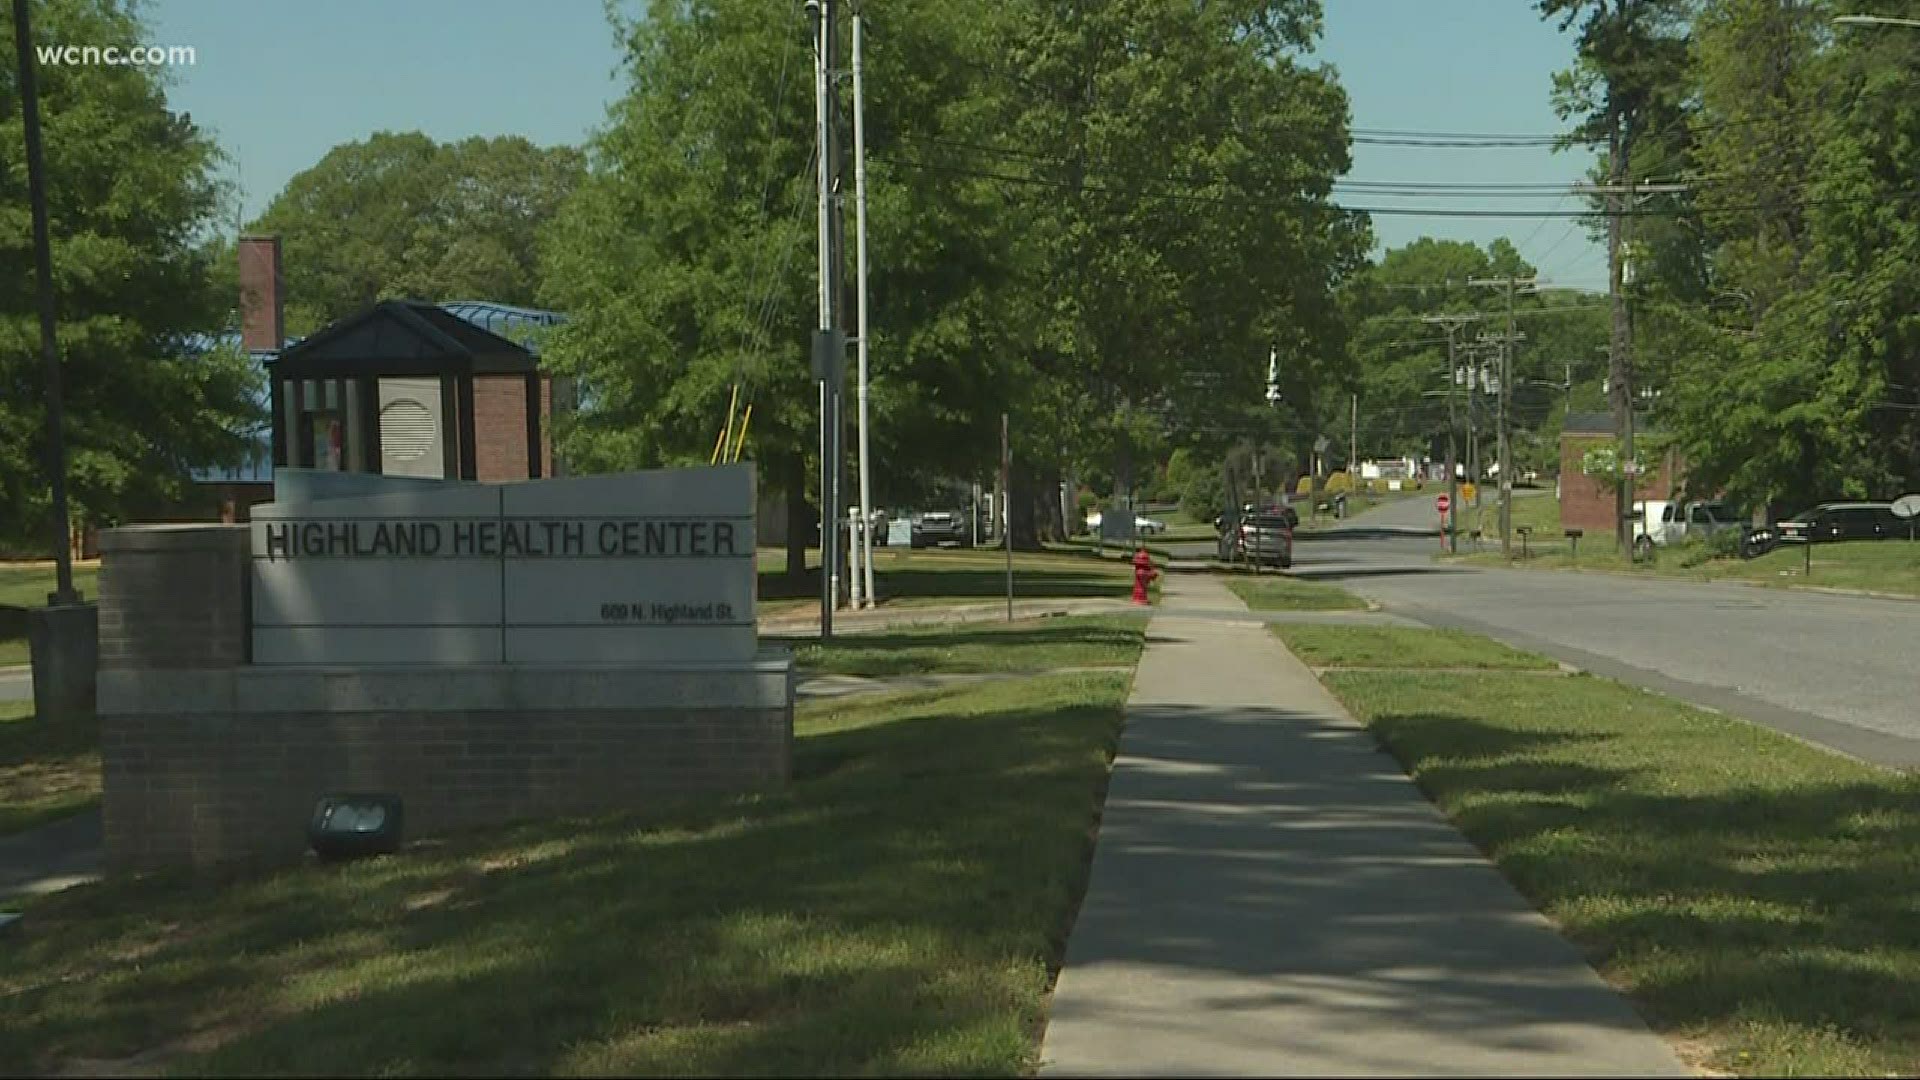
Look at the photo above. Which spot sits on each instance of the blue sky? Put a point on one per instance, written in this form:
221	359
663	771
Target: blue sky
279	82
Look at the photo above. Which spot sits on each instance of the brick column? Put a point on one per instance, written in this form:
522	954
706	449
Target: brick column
174	623
174	596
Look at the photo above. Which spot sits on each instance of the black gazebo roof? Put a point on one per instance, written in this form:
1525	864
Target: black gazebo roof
402	338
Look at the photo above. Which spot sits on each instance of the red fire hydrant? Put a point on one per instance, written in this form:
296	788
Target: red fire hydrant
1143	575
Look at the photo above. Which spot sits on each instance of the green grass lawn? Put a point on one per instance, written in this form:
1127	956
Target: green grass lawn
1875	565
899	910
1385	646
1753	895
27	585
1277	593
1025	645
47	771
1891	566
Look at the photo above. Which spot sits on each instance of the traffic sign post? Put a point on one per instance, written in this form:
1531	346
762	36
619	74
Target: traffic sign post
1469	493
1442	504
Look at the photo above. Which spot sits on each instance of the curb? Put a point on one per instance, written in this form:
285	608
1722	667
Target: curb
1834	590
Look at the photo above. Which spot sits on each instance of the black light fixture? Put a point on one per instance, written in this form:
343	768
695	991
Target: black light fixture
355	826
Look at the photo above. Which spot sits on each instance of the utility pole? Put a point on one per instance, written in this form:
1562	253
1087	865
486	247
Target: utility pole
1619	337
63	591
1507	342
1451	323
1353	438
830	343
1006	484
860	229
1475	357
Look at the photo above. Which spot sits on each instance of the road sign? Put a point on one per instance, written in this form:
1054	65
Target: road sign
1907	506
1441	503
1468	491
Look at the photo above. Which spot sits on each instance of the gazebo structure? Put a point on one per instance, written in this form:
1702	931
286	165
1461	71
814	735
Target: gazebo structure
412	389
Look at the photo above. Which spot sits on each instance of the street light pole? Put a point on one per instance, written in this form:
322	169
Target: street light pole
830	342
64	592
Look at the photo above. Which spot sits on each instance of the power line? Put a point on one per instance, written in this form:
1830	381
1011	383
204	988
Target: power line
1307	203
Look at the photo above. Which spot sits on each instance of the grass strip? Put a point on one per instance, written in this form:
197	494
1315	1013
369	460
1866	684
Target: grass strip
1394	647
1279	593
898	910
1753	895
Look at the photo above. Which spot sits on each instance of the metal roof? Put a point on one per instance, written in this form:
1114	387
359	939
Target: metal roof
519	324
402	338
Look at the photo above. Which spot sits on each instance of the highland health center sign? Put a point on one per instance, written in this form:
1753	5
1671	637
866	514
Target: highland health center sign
620	569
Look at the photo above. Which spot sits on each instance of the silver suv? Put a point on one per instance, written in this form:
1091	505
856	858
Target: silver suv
1263	537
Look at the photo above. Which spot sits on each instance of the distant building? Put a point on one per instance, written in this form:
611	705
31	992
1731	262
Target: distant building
1391	469
403	388
1586	502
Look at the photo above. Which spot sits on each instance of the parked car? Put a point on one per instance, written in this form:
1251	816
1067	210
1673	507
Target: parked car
937	527
1828	522
1142	525
1661	522
1262	537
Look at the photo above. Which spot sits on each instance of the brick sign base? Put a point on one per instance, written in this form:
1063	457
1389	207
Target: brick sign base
210	756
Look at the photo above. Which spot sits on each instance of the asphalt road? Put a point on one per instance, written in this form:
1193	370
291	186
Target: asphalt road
1836	670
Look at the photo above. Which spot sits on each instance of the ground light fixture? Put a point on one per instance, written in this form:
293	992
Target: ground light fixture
355	826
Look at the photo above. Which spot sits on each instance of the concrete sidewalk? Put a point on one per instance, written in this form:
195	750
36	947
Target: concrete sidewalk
1271	895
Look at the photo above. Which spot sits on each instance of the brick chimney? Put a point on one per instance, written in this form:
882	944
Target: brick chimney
262	308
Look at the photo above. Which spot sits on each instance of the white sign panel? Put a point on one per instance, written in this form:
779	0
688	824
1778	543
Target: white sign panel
621	569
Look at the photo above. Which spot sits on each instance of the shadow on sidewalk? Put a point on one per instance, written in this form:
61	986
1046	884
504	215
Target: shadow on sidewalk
1284	874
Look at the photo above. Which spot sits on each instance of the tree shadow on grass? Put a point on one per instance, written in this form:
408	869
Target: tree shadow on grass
1028	645
1786	907
893	911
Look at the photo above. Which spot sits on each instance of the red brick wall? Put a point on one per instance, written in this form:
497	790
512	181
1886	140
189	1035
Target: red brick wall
500	427
1587	504
194	790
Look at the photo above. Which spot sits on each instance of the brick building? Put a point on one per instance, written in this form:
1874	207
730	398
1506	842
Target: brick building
404	388
1587	503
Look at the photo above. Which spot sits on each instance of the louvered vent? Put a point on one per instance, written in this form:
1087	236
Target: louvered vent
407	430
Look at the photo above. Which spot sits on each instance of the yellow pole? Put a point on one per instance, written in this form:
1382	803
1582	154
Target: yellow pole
726	433
742	441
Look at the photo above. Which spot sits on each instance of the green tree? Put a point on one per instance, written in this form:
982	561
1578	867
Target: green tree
1174	165
1627	92
685	259
132	201
399	215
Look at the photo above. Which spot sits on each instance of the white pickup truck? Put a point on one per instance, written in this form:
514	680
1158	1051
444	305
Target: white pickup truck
1661	522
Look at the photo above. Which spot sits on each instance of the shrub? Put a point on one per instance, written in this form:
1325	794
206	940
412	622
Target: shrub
1305	486
1338	483
1724	544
